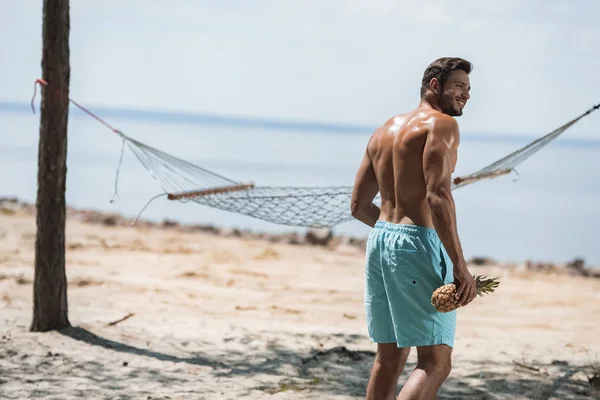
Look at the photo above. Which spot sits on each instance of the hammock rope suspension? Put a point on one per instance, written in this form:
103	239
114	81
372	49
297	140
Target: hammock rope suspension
314	207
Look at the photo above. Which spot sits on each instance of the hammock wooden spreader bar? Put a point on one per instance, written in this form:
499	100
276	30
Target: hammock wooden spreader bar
465	180
206	192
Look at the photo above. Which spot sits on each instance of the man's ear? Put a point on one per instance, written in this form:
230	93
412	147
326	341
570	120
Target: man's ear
434	86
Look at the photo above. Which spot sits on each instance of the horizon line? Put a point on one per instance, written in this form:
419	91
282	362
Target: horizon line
196	118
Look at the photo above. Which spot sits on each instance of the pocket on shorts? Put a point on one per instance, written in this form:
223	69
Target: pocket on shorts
446	268
409	261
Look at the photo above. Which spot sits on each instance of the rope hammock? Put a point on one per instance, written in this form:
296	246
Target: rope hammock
313	207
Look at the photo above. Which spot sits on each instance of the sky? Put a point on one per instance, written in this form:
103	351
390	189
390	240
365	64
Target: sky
536	63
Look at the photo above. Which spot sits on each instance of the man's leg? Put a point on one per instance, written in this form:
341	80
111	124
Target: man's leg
433	367
387	367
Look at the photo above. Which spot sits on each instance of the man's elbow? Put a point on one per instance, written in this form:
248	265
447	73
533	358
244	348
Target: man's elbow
437	195
356	209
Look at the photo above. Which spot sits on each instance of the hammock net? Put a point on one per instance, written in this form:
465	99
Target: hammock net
312	207
316	207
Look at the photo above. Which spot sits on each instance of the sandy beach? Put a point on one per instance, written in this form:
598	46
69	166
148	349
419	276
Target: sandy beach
209	315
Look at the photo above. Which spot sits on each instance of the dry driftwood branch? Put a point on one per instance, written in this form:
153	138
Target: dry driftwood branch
121	319
529	367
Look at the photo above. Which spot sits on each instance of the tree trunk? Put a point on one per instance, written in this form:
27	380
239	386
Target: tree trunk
50	311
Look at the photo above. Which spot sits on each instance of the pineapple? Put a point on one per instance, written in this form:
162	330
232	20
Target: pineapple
443	299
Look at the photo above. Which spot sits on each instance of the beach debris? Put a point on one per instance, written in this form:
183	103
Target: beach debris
530	367
593	375
594	381
339	355
320	237
481	261
113	323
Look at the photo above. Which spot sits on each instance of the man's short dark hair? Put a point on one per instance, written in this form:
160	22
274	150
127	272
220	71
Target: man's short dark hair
441	69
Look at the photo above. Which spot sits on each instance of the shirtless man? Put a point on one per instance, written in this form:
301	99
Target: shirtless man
414	247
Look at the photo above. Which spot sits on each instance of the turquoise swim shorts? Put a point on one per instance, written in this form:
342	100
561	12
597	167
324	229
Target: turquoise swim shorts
405	264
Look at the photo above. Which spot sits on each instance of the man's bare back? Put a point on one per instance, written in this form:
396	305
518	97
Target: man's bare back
409	160
396	150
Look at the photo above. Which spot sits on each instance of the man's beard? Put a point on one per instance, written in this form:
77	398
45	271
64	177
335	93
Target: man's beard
448	106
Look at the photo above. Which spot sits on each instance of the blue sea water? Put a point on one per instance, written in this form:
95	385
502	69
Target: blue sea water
549	212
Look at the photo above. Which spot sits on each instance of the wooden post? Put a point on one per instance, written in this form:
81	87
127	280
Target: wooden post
50	311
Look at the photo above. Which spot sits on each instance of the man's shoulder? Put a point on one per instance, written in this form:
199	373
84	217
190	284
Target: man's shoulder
441	122
429	115
440	117
427	118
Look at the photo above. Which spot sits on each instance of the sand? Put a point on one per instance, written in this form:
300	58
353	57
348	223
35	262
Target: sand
213	317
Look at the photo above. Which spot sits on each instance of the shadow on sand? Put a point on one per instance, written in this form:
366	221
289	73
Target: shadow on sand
88	337
344	372
509	381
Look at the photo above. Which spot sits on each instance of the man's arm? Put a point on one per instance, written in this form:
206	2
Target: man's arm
439	161
365	190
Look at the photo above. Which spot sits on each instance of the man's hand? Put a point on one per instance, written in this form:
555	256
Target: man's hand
466	289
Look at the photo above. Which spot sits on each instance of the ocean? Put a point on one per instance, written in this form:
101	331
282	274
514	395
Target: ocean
548	212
